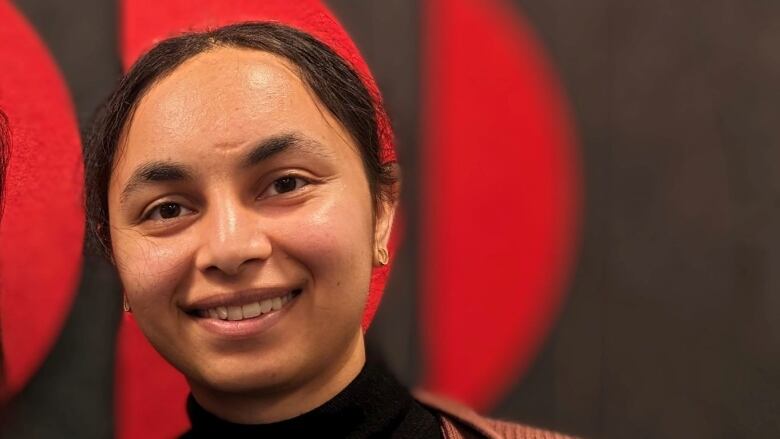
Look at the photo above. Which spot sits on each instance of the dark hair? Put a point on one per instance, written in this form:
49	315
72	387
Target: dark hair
335	83
5	153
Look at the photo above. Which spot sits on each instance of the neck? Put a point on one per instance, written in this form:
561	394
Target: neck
273	405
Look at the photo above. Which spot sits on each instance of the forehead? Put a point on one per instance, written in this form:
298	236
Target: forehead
222	99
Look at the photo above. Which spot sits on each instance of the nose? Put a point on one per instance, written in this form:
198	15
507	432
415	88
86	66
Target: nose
234	238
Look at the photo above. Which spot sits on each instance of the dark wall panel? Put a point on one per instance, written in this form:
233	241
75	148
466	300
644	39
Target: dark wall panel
669	330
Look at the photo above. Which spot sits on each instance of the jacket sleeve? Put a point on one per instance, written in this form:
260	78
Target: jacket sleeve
461	422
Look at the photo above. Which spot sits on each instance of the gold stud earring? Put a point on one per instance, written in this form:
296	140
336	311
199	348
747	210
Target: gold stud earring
384	258
125	303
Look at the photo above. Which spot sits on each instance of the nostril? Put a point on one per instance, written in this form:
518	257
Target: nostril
231	257
231	267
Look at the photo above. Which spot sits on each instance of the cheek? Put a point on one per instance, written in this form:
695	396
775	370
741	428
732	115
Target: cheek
150	270
334	242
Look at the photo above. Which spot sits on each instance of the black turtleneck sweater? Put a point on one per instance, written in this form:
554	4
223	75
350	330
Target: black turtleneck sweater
373	405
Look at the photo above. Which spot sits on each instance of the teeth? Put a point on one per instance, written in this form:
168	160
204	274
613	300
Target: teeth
235	313
251	310
247	311
265	306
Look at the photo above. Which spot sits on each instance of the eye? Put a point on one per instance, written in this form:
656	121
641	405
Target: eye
167	210
285	184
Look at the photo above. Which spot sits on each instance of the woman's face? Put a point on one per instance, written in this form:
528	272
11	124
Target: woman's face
236	193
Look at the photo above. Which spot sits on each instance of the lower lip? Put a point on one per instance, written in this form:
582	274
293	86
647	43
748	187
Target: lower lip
248	327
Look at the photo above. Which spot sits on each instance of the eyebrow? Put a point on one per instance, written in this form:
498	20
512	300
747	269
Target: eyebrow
277	144
154	172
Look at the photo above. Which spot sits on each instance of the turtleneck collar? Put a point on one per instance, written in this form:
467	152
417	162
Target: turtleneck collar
374	404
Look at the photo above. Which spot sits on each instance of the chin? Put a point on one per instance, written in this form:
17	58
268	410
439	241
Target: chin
244	375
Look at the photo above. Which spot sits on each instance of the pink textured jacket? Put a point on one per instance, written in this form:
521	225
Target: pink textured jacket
460	422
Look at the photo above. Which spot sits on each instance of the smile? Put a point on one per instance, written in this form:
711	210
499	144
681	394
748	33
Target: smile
244	314
249	310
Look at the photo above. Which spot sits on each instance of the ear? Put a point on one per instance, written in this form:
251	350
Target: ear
385	214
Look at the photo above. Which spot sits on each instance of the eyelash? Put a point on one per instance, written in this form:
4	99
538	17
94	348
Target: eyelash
296	179
156	209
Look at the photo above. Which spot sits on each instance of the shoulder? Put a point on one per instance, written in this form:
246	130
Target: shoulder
459	421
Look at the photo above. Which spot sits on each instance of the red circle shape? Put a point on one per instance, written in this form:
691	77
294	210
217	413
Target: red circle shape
42	227
501	201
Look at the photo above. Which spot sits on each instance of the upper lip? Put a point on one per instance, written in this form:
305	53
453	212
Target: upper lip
237	298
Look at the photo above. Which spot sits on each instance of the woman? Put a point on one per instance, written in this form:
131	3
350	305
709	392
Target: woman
240	180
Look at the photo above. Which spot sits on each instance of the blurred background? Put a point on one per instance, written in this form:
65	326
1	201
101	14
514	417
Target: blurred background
648	148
